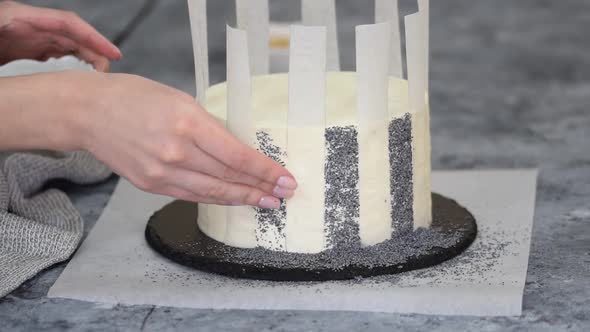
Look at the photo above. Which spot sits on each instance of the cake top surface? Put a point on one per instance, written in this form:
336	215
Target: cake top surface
270	99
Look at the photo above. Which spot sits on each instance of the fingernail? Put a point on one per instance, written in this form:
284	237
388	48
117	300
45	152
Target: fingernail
287	182
120	54
281	192
269	202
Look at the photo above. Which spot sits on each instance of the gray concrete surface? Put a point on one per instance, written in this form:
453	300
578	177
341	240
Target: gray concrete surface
510	87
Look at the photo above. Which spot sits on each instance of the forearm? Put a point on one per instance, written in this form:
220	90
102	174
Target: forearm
39	112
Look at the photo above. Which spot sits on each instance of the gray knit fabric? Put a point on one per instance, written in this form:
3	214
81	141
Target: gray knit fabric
38	226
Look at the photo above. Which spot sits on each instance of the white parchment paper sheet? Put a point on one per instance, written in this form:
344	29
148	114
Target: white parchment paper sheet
115	265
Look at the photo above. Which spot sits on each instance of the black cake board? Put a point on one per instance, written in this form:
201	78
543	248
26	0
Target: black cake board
173	232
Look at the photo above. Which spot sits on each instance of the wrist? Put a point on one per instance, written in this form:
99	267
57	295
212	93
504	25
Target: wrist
43	111
63	95
74	108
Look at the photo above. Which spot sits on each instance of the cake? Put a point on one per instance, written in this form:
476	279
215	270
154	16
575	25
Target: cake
358	143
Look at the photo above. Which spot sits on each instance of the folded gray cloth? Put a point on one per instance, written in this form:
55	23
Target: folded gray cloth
39	227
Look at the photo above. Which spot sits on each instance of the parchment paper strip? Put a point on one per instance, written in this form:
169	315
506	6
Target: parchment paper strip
415	50
388	11
305	138
307	76
198	20
323	13
372	56
241	221
253	17
424	7
415	60
118	267
422	203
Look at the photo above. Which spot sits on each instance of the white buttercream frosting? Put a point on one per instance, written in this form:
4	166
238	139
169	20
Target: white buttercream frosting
270	103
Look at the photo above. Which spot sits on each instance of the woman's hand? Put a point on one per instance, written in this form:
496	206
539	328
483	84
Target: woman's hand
164	142
38	33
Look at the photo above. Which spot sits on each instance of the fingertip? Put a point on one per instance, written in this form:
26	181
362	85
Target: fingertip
102	45
106	67
118	55
269	202
278	175
287	182
112	52
101	64
281	192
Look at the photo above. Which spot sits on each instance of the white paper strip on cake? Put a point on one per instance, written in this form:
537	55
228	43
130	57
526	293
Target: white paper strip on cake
323	13
415	57
424	7
372	56
304	229
241	220
212	221
198	19
203	219
388	11
252	16
415	50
